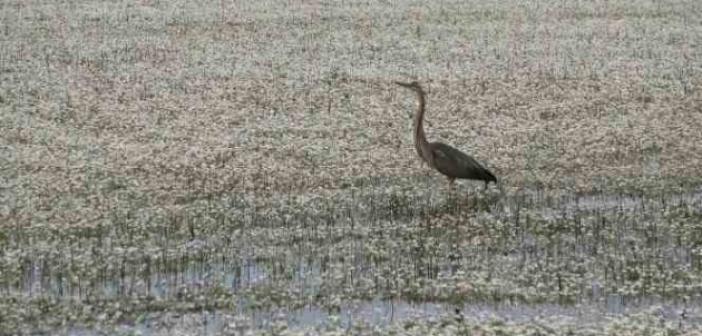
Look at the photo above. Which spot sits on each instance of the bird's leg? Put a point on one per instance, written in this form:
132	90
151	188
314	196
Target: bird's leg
451	183
451	193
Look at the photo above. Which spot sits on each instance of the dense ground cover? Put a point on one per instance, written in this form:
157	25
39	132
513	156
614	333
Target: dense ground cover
167	157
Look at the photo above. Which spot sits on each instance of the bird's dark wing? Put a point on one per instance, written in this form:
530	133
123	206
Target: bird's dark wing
456	164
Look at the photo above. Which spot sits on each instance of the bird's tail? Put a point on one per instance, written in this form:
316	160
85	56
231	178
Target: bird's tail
490	176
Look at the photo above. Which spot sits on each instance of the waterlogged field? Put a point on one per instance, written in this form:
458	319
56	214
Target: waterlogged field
232	167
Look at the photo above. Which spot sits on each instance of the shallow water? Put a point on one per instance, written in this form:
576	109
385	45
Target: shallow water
328	253
385	312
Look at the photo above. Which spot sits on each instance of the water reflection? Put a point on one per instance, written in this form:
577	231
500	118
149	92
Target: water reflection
394	243
384	312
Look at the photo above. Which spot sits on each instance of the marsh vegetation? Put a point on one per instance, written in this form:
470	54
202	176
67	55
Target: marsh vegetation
237	166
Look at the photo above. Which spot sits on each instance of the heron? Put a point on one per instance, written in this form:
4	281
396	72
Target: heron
448	160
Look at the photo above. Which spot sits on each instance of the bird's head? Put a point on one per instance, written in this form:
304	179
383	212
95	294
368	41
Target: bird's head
412	85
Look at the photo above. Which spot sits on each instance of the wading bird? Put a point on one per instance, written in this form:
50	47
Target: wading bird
447	160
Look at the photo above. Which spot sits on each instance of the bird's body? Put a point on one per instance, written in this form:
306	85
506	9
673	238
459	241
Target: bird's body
446	159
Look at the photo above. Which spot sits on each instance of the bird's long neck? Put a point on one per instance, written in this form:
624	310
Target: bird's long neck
420	139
